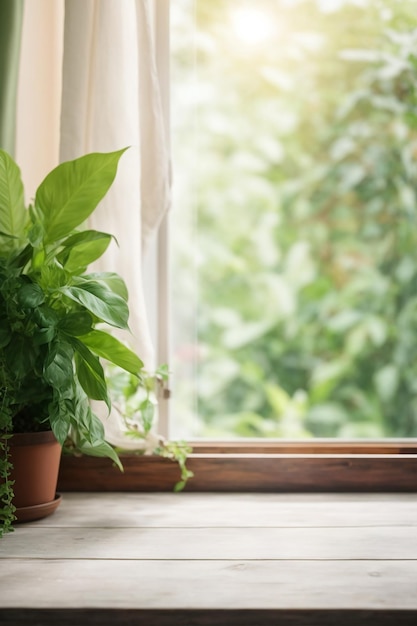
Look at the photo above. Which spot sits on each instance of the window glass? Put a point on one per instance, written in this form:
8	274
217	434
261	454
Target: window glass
294	234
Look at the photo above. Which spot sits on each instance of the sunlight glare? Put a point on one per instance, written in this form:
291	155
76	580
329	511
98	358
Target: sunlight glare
251	26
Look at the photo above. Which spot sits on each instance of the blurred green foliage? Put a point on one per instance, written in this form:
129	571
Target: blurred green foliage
295	226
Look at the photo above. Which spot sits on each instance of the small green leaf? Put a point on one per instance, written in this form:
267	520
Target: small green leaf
45	316
30	296
36	234
58	369
147	410
60	420
162	372
92	427
44	335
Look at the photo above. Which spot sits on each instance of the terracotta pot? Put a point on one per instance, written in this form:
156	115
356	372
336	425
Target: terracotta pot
35	458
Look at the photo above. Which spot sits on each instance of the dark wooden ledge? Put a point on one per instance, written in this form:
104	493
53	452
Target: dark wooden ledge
253	466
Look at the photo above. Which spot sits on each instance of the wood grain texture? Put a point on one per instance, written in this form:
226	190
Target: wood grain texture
246	473
211	544
199	584
231	510
214	559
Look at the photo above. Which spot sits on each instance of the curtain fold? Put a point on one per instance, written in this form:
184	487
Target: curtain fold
11	19
111	99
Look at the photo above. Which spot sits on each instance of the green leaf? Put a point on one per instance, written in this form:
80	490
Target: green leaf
100	449
82	249
22	257
58	369
112	281
30	296
71	192
45	316
76	324
44	335
100	301
20	355
5	333
162	372
90	373
12	205
147	410
92	429
60	420
113	350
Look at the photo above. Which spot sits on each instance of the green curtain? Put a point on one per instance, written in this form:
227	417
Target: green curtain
11	18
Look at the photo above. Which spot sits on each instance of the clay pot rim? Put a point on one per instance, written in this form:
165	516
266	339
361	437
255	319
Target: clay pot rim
30	439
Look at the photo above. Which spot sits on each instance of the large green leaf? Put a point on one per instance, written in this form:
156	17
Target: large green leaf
100	301
113	350
71	192
82	249
12	204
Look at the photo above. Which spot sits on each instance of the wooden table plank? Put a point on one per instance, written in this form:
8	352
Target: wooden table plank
192	510
214	559
43	583
367	543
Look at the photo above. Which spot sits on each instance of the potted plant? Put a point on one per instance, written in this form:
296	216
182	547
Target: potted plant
55	319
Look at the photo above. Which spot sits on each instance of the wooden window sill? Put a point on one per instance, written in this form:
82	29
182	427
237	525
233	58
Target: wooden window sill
256	466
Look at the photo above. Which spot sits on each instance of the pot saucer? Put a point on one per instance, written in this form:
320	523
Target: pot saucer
37	511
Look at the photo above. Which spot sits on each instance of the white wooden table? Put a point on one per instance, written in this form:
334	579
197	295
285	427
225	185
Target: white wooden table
200	559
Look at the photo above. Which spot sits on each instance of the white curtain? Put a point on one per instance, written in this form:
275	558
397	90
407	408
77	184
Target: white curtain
111	98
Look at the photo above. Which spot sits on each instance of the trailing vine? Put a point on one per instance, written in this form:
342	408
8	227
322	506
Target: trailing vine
7	509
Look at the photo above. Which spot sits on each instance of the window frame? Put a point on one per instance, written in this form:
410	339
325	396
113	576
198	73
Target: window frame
241	465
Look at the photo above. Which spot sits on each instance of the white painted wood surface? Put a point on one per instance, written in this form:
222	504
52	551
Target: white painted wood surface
214	551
